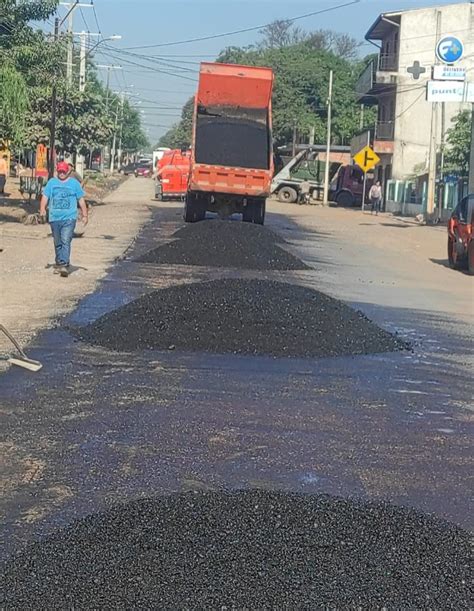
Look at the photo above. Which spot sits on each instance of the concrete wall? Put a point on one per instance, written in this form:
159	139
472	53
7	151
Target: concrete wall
418	38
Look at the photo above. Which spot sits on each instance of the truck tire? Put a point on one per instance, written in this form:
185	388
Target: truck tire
254	212
288	195
194	210
470	258
345	198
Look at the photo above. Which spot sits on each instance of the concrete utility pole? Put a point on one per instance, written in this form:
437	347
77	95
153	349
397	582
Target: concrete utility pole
105	150
114	142
471	158
432	164
328	144
52	135
70	21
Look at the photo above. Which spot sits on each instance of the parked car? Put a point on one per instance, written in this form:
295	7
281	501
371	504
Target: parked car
144	170
460	239
129	168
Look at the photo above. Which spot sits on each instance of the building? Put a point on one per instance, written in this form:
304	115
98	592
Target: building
397	82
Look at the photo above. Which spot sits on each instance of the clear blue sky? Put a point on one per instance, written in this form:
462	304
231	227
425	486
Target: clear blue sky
143	22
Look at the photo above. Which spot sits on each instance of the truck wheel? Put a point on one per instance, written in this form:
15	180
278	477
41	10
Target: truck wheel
191	210
470	258
288	195
254	212
345	198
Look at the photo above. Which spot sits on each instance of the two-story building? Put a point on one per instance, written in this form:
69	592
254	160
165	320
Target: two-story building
396	81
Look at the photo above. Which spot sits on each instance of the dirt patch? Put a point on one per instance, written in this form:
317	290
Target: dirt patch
256	549
241	317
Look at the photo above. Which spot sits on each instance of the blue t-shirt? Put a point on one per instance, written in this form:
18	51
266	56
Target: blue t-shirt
63	196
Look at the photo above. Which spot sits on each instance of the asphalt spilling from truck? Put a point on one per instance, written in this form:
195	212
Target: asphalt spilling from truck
249	549
257	317
225	244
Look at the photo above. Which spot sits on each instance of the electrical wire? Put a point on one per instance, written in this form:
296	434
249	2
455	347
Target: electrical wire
244	30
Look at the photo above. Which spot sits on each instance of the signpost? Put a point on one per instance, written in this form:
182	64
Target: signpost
366	159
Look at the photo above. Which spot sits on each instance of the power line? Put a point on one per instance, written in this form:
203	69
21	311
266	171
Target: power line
244	30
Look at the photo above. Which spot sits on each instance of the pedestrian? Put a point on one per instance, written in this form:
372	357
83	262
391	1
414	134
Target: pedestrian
375	196
4	171
61	196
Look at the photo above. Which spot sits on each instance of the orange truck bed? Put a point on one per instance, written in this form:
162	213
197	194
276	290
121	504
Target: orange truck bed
232	153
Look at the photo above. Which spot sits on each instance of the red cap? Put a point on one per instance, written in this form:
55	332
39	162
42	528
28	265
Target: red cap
62	166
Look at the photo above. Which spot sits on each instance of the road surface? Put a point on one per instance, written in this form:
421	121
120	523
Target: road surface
96	428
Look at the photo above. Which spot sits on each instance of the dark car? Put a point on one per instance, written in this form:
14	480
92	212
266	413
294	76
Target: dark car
129	168
145	170
460	235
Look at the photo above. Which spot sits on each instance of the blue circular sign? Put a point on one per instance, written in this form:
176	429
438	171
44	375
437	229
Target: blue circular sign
449	49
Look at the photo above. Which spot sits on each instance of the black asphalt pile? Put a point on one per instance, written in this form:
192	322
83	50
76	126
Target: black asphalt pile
225	244
241	317
253	550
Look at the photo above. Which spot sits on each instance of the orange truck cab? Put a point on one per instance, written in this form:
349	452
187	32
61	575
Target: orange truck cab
172	175
460	235
232	153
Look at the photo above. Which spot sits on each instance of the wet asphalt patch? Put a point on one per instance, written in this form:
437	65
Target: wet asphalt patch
230	244
255	550
253	317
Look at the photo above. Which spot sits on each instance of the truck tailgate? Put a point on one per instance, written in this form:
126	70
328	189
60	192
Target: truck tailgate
220	179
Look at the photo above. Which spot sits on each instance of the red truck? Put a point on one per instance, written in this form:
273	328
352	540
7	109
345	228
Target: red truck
172	175
232	153
347	186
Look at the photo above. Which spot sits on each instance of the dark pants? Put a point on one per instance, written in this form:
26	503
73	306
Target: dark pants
3	180
63	232
376	204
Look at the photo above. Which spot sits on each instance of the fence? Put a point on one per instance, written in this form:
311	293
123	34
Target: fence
409	197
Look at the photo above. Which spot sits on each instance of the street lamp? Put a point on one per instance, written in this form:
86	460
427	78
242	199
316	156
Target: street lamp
113	37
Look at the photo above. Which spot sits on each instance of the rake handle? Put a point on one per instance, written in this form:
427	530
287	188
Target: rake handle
13	341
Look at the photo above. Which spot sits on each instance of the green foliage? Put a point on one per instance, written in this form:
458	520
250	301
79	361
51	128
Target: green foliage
180	135
301	89
81	122
13	104
459	143
133	137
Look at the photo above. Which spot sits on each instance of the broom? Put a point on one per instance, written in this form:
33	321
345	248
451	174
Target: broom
23	361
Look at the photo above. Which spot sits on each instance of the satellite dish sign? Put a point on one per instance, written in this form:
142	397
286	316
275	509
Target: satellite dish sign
449	49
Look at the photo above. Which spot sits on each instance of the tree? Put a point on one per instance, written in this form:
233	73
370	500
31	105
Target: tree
180	135
459	143
301	88
14	103
280	33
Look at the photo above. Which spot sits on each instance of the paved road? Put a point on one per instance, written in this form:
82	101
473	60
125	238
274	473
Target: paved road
95	428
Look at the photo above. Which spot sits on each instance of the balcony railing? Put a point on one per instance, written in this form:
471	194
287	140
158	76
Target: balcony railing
388	62
384	130
366	80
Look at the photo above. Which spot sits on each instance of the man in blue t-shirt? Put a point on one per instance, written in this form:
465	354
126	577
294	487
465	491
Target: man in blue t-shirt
62	195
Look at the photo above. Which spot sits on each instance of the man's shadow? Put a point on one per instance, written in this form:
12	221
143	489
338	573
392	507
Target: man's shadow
72	268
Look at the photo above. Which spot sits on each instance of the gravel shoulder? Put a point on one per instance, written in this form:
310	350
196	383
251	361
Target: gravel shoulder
31	297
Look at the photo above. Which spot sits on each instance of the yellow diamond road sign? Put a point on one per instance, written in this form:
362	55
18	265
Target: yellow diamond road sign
366	159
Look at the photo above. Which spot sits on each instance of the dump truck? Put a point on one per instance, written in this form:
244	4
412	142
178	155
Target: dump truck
172	175
232	153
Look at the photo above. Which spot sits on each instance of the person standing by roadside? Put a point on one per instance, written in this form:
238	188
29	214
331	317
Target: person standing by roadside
61	196
4	172
375	196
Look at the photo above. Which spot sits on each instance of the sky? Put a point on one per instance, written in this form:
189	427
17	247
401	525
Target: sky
160	96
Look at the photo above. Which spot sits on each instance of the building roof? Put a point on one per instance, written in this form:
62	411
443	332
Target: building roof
381	25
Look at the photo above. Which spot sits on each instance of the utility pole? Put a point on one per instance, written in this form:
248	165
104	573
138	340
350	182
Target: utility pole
471	157
52	136
364	188
114	142
432	163
328	144
104	153
72	6
361	120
